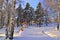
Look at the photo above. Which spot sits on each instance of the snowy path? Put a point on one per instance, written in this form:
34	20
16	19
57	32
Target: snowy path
33	32
37	33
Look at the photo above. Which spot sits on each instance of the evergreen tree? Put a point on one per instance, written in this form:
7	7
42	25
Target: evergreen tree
27	6
19	11
26	14
31	15
46	17
39	5
39	14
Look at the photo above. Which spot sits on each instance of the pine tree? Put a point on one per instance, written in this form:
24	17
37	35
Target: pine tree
39	14
39	5
27	13
31	14
19	11
27	6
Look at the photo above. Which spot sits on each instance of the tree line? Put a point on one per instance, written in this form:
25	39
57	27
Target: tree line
29	14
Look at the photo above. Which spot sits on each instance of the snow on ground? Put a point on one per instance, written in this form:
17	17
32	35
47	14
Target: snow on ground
39	33
36	33
44	25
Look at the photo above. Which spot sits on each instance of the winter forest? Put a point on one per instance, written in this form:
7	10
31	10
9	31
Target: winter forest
35	13
41	14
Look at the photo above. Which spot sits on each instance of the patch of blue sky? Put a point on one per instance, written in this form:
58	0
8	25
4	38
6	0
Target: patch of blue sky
33	3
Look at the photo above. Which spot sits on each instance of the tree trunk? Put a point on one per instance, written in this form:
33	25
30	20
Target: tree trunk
11	22
1	14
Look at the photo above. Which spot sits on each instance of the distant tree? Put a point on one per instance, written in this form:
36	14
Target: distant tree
26	14
46	18
39	6
27	6
19	11
39	14
31	16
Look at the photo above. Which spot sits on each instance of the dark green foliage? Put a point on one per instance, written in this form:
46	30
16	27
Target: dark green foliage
28	13
19	11
39	14
27	6
39	5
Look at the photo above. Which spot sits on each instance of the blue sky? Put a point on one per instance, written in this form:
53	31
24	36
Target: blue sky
33	3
